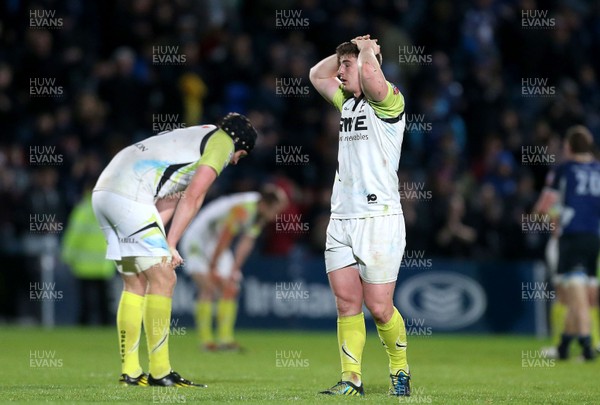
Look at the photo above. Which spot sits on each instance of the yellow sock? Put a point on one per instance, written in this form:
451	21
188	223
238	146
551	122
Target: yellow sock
204	321
226	315
558	313
594	331
129	327
351	334
393	336
157	322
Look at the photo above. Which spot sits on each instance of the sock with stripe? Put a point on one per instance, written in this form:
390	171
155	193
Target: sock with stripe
157	322
129	327
352	334
204	311
558	313
393	336
226	315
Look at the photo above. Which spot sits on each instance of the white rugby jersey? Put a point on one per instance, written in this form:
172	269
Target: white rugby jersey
163	165
370	140
209	222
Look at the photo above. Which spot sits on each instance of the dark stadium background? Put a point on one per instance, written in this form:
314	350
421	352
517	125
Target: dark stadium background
489	95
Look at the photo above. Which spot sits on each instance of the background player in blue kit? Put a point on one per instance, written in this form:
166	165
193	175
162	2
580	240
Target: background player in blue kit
575	185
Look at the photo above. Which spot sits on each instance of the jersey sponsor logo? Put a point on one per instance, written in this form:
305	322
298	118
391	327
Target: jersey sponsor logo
141	146
372	198
448	300
349	124
357	137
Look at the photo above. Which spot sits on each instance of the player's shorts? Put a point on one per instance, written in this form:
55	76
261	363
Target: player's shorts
197	255
131	229
578	253
375	245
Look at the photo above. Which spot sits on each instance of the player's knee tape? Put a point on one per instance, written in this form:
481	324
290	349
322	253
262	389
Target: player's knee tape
558	280
134	265
144	263
575	278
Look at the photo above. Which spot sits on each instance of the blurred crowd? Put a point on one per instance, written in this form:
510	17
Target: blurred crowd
80	79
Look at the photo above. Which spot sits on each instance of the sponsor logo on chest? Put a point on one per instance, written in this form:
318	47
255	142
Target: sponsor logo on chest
354	123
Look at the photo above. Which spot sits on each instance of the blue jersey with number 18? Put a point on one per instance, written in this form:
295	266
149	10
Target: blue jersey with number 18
579	187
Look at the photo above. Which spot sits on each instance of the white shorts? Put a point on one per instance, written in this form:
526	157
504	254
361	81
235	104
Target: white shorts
197	255
131	229
375	244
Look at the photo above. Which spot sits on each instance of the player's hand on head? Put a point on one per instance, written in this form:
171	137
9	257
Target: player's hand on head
360	37
367	43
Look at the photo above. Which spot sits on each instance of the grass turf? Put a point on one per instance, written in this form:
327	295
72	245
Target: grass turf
69	365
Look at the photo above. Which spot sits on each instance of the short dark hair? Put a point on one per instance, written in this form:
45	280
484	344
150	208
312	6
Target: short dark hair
580	139
272	195
348	48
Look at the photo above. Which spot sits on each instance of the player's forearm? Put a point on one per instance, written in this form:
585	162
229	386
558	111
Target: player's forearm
371	77
325	69
243	250
223	243
184	213
166	208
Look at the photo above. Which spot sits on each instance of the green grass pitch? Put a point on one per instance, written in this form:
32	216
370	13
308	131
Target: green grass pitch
69	365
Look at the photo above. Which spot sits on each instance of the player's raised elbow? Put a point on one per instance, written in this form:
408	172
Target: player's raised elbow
312	75
373	83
